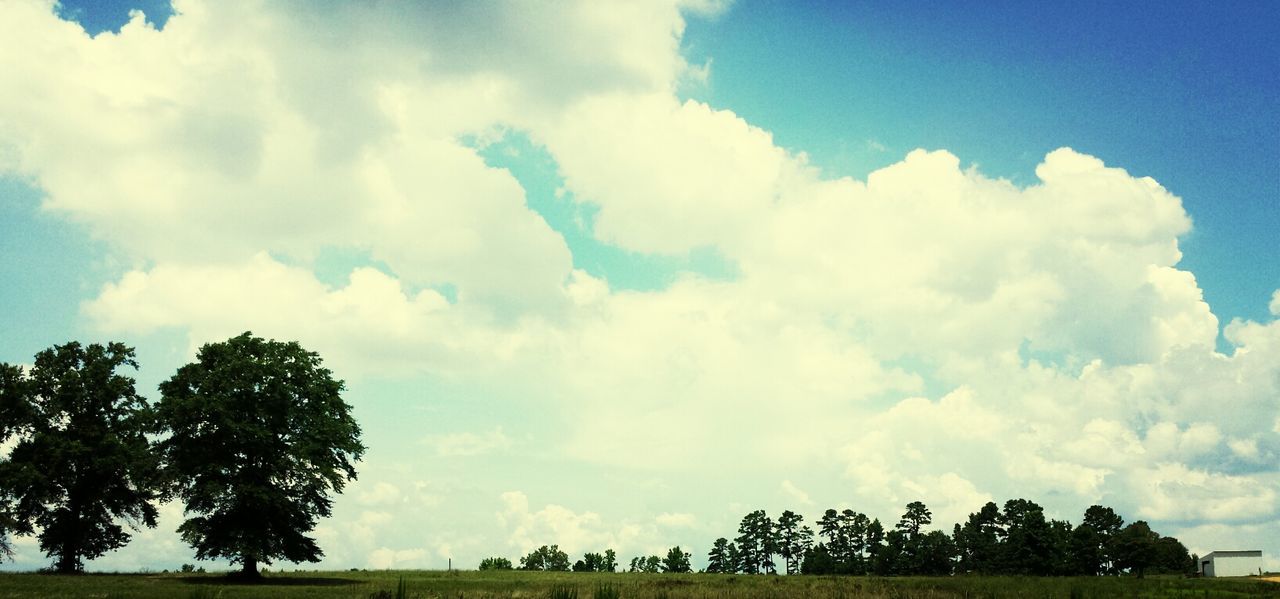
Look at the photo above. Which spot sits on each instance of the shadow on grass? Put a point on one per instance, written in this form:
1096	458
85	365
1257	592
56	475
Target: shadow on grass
271	581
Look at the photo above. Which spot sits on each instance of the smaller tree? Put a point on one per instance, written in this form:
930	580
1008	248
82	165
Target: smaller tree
677	561
1106	524
757	543
548	558
593	562
875	538
610	561
934	554
818	561
916	516
646	564
978	541
719	559
1134	548
1171	557
495	563
892	558
790	540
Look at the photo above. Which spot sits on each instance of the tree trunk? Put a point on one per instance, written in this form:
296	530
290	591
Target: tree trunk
69	559
250	568
67	562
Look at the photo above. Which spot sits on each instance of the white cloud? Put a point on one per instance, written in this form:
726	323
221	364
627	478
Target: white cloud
384	558
574	532
382	493
794	493
656	168
469	444
680	520
1175	492
1244	448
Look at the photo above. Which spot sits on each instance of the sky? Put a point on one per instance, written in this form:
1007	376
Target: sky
612	276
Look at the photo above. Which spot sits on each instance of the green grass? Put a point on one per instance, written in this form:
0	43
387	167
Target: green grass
545	585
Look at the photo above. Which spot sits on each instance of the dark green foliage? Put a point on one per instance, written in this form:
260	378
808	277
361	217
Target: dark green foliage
932	554
259	438
848	536
549	558
916	516
829	526
83	460
818	561
757	543
1134	548
792	539
1106	524
1172	557
892	558
495	563
595	562
875	538
13	415
677	561
1086	548
648	565
721	559
978	541
1028	541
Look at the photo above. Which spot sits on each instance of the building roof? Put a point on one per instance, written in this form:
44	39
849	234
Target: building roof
1247	553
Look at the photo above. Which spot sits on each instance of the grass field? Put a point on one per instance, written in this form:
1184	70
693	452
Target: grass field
478	585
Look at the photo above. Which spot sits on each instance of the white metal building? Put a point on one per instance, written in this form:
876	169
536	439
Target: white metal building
1231	563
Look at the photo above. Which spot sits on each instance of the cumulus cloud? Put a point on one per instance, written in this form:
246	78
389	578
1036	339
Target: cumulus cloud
675	520
931	333
469	444
574	532
794	493
384	558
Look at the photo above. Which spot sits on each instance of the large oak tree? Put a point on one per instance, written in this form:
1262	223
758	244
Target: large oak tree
81	461
260	437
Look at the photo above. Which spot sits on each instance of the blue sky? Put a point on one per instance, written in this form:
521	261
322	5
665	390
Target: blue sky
539	268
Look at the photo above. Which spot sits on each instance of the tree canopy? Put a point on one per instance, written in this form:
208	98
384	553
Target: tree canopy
546	558
259	438
677	561
82	461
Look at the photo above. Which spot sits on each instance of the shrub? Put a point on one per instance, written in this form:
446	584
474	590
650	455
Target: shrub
495	563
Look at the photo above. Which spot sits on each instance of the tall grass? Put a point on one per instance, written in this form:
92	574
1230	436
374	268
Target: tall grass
562	591
539	585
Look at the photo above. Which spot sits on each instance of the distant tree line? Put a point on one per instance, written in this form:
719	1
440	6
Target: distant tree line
253	437
1015	540
552	558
